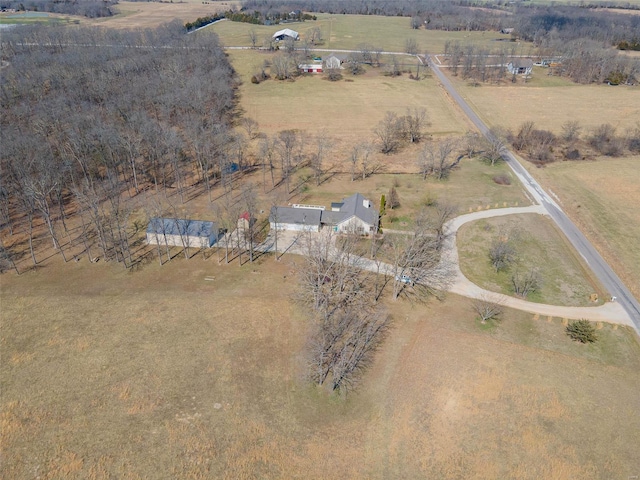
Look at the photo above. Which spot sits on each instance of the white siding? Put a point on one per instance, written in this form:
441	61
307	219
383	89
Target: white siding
355	225
294	227
177	240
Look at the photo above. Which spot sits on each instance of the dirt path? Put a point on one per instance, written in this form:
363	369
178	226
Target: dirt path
612	312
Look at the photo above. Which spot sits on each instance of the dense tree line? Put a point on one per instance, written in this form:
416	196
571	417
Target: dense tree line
92	117
86	8
432	14
566	23
202	21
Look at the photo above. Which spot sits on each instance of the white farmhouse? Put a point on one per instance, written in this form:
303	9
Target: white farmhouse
355	214
520	66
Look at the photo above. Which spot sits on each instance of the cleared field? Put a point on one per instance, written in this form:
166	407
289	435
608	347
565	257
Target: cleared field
350	31
153	14
349	110
551	103
602	197
161	373
538	245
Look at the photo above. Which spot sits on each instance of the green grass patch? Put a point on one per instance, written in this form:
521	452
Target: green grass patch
347	32
470	187
538	245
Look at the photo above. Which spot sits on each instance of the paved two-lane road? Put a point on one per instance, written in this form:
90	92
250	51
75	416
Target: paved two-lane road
598	265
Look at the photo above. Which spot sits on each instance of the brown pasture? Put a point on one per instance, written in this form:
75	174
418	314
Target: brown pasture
349	109
161	373
152	14
550	107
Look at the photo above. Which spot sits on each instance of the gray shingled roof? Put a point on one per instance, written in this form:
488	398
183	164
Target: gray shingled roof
354	206
301	216
173	226
522	62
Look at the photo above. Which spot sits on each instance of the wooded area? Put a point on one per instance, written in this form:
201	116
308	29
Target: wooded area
86	8
92	117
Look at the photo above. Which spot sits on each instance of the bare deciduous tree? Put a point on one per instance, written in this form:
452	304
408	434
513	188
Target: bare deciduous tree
488	307
502	252
418	267
348	324
323	144
283	67
413	124
253	38
494	147
526	282
389	133
411	46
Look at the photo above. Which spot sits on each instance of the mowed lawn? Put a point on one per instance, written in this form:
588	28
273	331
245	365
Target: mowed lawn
603	198
163	374
538	244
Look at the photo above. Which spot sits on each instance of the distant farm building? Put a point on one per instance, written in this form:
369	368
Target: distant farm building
182	233
333	62
310	68
284	34
355	214
520	66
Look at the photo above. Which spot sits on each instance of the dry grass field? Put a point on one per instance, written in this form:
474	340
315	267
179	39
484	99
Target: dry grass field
602	197
550	105
346	109
152	14
347	32
538	244
161	374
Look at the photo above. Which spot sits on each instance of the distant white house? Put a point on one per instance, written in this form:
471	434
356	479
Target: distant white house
175	232
284	34
333	62
355	214
520	66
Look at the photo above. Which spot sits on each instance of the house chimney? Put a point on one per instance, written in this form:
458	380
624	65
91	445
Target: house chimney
366	203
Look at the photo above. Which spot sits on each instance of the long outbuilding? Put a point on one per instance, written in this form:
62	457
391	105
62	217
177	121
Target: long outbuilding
182	232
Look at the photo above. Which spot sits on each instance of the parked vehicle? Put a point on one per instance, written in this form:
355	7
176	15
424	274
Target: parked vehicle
406	279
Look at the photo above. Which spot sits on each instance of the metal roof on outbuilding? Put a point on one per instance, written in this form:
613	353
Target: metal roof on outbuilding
176	226
286	32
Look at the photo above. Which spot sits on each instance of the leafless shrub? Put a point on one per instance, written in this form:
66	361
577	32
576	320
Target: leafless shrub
605	141
572	154
502	179
571	131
